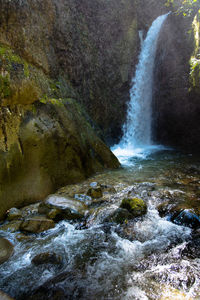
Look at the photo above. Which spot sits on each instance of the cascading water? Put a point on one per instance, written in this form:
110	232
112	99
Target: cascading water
137	129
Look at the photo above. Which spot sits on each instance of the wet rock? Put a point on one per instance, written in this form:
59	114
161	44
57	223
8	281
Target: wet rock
53	213
30	210
83	198
22	237
180	213
3	296
95	192
136	206
187	218
6	250
57	207
12	226
13	214
47	258
166	208
119	216
36	224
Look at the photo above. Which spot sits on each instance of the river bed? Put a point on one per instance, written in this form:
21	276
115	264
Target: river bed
149	257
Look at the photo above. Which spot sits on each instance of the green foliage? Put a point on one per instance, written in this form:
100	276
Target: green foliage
186	7
5	90
45	100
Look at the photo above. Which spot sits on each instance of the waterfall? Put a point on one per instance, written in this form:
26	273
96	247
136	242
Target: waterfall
137	129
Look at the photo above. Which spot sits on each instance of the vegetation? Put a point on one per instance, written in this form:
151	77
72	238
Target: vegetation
186	7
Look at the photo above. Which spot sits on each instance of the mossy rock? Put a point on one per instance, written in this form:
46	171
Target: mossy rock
136	206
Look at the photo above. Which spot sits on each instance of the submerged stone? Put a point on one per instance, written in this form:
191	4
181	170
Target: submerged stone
36	224
136	206
6	250
47	258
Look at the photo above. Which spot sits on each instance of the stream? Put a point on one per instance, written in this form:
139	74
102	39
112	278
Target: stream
145	258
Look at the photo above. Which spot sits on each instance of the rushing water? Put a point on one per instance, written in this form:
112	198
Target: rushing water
141	259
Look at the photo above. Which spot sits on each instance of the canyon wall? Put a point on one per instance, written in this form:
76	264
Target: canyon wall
177	84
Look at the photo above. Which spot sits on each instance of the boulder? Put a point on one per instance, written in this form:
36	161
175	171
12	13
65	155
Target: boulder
36	224
136	206
58	207
185	213
6	250
188	218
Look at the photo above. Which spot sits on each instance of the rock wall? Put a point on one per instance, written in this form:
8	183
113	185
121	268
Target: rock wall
53	54
91	44
46	140
177	83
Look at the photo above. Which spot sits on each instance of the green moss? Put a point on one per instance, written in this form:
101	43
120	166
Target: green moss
135	206
9	58
45	99
26	69
5	89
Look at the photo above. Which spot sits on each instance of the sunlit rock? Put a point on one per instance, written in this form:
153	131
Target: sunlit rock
57	207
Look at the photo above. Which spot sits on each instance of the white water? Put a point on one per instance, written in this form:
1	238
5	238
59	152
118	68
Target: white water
136	140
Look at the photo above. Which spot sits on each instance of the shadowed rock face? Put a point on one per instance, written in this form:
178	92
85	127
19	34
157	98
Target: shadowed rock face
176	94
52	145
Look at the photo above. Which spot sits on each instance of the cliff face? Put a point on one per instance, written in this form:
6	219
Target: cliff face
91	44
46	138
177	82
